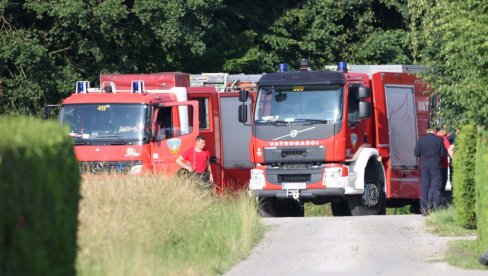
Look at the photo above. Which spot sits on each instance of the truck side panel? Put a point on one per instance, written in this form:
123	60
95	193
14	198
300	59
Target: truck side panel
235	144
395	100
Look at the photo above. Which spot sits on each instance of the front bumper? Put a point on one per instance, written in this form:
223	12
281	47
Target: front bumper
309	193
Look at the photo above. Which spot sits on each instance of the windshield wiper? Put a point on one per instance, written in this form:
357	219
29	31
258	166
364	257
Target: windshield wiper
319	121
282	122
82	143
120	141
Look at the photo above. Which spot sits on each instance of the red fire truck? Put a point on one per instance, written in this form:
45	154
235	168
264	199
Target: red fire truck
135	123
345	137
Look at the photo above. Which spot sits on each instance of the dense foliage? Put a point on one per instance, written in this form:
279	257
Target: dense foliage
464	165
45	46
39	193
482	190
452	39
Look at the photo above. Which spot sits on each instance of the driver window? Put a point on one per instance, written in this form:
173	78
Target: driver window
169	124
164	124
353	113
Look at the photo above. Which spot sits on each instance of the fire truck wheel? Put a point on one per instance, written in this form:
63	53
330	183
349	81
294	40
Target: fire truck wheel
373	200
340	209
272	207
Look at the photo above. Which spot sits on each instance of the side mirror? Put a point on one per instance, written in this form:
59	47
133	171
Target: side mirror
243	113
365	110
364	92
243	95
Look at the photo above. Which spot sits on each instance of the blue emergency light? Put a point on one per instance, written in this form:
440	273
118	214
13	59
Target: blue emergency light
137	86
342	67
282	67
82	87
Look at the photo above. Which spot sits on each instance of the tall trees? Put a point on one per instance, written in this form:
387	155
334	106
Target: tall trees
45	46
452	38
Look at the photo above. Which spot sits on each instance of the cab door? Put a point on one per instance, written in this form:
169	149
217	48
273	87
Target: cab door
173	133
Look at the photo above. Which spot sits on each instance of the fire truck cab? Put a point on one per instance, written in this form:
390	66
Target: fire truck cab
137	123
345	137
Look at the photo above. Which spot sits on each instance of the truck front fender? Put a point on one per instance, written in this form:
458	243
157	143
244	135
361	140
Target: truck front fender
358	168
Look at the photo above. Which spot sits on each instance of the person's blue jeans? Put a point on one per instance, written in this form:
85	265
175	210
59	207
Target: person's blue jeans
431	195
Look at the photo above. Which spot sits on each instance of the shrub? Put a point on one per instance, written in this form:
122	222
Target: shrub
463	180
39	194
482	190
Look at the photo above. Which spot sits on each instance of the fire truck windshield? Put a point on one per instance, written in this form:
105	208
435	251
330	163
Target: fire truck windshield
105	123
310	103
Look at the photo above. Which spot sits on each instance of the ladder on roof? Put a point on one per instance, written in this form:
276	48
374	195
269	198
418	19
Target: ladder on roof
225	82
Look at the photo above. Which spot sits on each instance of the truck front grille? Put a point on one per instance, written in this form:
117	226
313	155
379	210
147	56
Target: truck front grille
294	155
294	178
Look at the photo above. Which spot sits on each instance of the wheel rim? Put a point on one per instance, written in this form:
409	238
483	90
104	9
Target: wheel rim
371	195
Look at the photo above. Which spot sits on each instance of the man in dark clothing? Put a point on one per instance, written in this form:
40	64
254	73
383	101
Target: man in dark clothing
430	149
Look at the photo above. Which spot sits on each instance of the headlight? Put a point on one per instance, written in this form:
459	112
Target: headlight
331	175
257	181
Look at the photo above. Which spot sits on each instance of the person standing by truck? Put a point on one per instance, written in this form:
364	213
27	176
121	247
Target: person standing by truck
442	133
197	161
430	149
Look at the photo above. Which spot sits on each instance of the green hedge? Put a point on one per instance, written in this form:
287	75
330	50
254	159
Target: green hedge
482	190
39	194
464	195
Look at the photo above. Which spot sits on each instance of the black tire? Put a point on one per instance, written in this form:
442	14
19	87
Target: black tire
340	209
373	193
267	207
273	207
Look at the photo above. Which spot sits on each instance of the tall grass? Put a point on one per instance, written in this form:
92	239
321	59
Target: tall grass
148	225
443	223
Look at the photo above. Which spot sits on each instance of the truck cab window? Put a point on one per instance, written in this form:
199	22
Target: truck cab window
353	113
203	113
164	124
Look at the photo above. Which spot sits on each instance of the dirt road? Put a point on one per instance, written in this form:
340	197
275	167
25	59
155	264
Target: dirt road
372	245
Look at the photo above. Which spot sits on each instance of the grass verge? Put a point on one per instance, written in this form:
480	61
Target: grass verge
443	223
147	225
460	253
465	254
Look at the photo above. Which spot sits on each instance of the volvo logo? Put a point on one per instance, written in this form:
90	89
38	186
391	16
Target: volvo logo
294	133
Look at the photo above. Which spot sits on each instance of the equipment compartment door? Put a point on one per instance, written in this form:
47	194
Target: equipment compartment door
235	143
402	125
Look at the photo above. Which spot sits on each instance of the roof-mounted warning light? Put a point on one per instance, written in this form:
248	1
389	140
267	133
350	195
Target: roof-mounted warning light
82	87
282	67
342	67
137	86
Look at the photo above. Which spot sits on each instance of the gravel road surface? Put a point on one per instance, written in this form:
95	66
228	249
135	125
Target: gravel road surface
370	245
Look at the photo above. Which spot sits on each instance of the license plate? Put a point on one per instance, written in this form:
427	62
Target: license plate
294	185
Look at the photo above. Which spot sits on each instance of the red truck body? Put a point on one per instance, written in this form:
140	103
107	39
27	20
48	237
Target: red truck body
340	137
137	123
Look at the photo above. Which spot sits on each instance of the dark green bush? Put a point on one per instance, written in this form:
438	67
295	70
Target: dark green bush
464	195
482	190
39	194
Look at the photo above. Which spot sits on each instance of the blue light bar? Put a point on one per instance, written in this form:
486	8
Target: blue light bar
82	87
137	86
283	67
342	67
